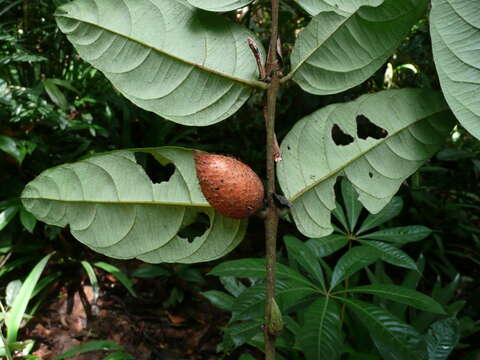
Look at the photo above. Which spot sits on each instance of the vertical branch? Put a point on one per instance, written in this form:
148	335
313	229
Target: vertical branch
271	220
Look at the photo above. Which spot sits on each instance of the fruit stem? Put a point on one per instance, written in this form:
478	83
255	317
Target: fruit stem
272	217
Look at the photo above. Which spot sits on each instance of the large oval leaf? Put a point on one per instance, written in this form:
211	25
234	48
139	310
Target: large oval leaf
189	66
219	5
386	137
112	206
455	31
314	7
339	50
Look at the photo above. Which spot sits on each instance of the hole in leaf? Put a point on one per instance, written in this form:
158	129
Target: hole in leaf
196	228
156	172
339	137
365	129
370	174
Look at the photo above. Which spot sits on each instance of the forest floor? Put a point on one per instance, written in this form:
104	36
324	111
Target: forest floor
189	330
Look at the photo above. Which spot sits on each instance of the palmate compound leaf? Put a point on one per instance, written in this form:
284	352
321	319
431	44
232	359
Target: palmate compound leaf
455	31
376	142
186	65
112	206
339	50
219	5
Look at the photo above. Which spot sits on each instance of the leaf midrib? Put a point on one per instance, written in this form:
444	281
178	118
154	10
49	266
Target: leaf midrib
334	172
250	83
100	202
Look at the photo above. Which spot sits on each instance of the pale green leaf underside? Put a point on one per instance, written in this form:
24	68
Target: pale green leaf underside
314	7
339	50
112	206
417	122
455	31
188	66
219	5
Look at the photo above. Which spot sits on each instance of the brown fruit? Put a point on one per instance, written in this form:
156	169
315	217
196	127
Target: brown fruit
231	187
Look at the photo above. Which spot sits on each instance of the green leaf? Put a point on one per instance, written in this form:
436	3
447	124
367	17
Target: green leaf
12	290
239	333
12	265
455	33
321	336
113	207
10	146
305	258
256	268
353	206
353	260
443	336
219	5
118	274
64	83
233	285
399	294
410	281
93	279
400	235
220	299
327	245
390	211
314	7
292	325
150	271
19	306
246	357
412	125
339	50
119	356
28	220
188	273
391	254
250	304
7	215
394	339
96	345
43	283
340	215
189	66
55	94
446	294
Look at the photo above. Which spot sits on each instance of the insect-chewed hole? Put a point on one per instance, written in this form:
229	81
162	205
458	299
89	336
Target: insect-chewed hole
156	172
339	137
370	174
365	129
196	228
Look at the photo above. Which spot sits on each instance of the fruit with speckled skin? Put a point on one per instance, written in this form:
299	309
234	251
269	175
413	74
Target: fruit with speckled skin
230	187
